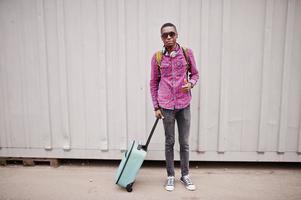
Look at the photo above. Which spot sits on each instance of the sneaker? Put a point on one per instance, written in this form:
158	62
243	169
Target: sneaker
170	183
188	183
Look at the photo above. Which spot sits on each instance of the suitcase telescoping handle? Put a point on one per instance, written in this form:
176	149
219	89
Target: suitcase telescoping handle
150	135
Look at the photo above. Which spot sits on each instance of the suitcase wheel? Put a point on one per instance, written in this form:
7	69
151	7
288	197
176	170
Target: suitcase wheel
129	187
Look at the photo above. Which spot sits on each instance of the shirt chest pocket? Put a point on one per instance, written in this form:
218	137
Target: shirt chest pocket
181	66
165	69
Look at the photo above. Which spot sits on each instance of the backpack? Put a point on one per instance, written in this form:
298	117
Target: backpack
159	55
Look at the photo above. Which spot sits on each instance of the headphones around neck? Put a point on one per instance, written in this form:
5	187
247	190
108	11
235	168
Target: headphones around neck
171	54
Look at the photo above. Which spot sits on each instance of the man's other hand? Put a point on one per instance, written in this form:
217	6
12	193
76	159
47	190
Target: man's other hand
159	114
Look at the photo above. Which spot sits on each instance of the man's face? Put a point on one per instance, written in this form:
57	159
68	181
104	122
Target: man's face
169	36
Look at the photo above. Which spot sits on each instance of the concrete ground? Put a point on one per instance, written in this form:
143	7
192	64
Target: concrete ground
87	180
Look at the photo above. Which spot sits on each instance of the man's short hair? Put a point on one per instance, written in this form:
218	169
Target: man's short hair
168	24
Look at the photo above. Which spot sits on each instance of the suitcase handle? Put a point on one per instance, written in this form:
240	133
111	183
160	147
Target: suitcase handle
150	135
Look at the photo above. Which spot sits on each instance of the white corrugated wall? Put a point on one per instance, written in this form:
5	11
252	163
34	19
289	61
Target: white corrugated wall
74	77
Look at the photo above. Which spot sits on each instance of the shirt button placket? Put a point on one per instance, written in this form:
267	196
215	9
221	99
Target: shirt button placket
173	85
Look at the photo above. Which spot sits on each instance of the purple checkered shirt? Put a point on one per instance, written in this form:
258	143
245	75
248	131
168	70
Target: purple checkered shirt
166	85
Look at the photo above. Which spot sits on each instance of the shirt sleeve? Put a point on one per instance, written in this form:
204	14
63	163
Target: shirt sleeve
154	82
194	73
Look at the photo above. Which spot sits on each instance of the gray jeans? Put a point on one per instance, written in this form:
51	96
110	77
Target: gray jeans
182	117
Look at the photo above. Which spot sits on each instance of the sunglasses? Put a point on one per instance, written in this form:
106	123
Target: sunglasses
171	34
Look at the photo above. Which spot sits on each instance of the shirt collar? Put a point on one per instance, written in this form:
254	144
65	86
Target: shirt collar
165	52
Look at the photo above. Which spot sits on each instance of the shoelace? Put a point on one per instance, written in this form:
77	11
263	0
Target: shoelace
187	180
170	181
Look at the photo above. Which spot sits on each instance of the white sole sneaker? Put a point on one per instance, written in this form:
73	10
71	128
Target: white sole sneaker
169	188
170	184
189	187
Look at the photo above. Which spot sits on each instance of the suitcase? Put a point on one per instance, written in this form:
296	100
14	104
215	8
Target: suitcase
132	161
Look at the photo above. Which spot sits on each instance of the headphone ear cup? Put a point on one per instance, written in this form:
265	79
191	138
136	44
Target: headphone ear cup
173	54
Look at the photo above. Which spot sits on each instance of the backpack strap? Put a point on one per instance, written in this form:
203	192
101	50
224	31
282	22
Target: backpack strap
159	58
185	52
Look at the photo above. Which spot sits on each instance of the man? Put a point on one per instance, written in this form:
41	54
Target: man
173	75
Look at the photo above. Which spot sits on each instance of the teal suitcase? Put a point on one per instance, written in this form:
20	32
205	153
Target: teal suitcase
131	162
